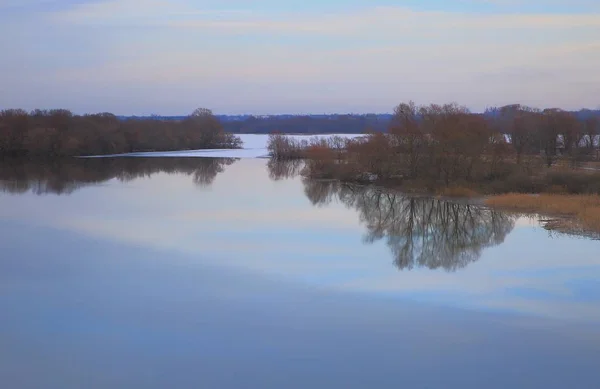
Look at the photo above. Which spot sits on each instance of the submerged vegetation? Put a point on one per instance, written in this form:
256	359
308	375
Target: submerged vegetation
59	132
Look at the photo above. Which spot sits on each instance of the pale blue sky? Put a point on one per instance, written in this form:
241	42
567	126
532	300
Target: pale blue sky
299	56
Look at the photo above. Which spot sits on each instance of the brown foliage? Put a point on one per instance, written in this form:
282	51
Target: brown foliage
447	146
433	143
60	133
282	147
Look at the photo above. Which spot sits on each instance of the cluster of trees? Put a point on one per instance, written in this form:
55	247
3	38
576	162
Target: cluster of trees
66	175
551	132
444	145
449	143
61	133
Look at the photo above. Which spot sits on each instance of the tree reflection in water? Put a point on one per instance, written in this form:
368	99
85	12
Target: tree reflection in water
282	170
420	231
65	176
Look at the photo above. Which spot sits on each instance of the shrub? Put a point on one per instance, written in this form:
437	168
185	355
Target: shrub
282	147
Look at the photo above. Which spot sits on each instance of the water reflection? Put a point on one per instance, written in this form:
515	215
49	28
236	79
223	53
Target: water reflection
420	232
64	176
281	170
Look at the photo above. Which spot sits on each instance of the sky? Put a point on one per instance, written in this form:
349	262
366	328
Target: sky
298	56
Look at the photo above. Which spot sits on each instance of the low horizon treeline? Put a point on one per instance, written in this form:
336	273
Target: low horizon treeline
309	124
446	145
61	133
341	123
325	123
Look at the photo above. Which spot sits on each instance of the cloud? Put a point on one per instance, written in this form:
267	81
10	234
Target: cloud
148	12
23	3
512	63
156	55
396	19
378	18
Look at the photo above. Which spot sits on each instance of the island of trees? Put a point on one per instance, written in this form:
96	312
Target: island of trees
61	133
446	149
447	144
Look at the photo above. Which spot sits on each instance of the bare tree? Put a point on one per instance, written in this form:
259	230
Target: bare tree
591	130
409	136
549	133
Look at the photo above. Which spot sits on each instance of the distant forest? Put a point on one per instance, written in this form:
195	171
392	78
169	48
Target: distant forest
321	124
309	124
293	124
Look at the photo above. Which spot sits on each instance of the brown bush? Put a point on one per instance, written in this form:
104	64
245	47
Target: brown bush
445	147
282	147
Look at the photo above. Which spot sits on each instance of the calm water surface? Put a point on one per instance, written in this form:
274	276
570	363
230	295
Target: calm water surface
222	273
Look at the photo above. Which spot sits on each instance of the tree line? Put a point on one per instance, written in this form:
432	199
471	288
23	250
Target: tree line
323	123
61	133
445	145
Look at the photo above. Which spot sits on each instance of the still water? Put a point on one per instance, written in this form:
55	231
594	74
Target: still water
223	273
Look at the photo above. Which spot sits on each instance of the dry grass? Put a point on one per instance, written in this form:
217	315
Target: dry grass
585	209
457	191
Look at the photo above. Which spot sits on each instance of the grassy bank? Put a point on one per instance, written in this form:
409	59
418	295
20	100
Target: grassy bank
578	211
